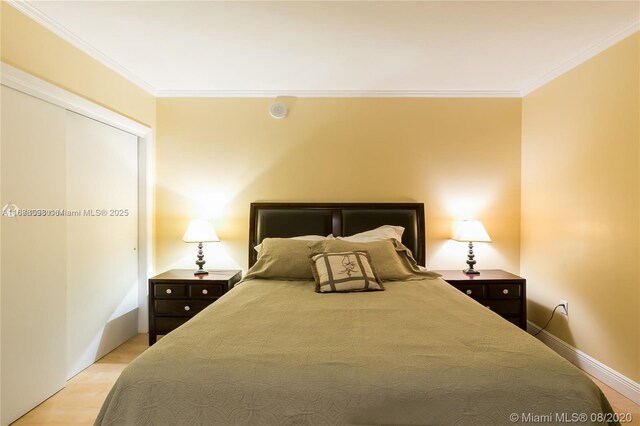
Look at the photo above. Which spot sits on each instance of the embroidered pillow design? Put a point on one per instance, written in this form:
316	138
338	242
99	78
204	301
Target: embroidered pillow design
344	272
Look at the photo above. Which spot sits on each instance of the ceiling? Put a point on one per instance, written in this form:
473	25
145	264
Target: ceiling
447	48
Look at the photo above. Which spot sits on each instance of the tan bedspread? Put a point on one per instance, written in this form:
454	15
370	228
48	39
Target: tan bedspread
276	352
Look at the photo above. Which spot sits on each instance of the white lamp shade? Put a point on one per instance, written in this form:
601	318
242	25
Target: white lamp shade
470	230
200	231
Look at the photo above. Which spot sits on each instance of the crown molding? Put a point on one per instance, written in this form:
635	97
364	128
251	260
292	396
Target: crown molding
32	12
339	93
35	14
582	57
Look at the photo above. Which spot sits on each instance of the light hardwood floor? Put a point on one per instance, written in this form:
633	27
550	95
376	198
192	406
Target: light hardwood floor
80	402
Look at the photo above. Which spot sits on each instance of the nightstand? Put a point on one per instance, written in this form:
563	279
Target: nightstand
177	295
500	291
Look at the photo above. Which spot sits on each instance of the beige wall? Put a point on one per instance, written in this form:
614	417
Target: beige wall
32	48
461	157
581	205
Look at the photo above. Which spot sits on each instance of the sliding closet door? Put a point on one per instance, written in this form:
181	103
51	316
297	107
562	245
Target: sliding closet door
33	312
102	261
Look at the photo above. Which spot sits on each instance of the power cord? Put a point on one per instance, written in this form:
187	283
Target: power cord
552	314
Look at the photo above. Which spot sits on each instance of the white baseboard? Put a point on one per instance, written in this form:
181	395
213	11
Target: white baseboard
600	371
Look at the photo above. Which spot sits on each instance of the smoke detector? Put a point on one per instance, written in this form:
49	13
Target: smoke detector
278	110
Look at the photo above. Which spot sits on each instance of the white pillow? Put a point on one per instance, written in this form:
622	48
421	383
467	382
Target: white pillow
305	238
384	232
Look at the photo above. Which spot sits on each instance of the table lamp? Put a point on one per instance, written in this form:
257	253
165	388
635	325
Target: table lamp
471	231
200	231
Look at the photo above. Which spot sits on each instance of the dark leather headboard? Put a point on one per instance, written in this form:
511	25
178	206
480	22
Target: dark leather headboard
269	220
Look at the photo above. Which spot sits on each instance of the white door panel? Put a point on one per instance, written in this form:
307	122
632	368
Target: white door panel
33	311
102	257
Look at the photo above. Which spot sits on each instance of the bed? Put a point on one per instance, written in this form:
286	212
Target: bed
273	351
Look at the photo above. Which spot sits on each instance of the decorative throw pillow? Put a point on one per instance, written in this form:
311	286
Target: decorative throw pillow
344	272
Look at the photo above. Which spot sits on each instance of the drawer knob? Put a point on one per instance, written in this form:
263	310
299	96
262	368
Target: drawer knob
205	291
469	291
169	291
505	291
187	308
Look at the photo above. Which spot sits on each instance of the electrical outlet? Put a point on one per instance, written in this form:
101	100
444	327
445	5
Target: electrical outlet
564	309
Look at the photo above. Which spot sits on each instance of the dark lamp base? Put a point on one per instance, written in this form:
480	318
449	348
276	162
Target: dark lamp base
200	262
471	262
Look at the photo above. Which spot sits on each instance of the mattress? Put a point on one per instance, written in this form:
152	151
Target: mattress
276	352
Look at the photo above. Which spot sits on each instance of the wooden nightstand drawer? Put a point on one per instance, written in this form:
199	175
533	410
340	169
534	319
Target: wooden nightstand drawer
503	307
169	291
206	291
177	295
471	290
182	308
514	320
504	291
167	324
500	291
